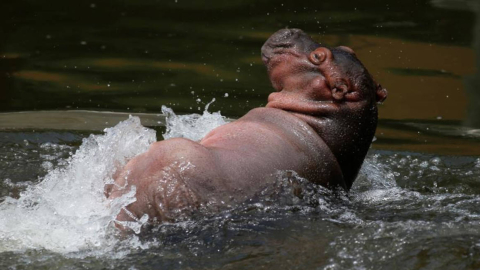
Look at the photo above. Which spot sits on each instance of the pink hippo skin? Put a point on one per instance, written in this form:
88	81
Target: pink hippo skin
319	124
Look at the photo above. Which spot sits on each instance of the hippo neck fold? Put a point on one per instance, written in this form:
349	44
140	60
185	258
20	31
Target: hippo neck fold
348	135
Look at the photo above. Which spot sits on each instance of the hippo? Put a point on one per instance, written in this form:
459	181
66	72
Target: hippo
319	123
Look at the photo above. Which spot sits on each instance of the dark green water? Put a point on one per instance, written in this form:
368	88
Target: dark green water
415	204
139	55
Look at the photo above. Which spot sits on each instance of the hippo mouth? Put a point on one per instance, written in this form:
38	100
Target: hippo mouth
276	50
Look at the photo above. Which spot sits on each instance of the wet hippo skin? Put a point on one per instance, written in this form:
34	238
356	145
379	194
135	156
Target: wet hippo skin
319	123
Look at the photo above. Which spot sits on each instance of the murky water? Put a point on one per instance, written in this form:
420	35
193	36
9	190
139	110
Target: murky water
415	204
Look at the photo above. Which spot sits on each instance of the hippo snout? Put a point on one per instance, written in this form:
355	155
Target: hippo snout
287	40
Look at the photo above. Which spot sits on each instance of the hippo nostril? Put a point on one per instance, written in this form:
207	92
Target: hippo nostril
281	45
277	48
284	38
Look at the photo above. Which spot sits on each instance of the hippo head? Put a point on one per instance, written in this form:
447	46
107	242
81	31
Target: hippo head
330	89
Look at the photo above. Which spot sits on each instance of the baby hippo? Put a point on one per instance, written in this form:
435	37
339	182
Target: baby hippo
319	123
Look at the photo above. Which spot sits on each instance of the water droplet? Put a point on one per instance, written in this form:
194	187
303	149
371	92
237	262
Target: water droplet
435	160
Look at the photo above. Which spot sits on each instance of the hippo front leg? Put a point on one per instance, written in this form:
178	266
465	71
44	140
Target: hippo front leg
164	197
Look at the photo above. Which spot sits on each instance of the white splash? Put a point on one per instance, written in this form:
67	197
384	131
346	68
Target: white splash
67	211
191	126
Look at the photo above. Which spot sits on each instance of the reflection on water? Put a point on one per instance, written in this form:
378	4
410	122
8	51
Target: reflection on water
472	82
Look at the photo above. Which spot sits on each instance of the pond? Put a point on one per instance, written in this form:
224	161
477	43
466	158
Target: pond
72	68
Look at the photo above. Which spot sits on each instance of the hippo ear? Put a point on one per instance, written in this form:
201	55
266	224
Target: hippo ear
381	93
346	49
320	55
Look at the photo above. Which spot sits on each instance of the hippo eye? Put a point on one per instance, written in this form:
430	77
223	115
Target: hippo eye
317	57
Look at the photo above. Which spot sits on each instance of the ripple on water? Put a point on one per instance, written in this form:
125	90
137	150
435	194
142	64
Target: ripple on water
414	214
